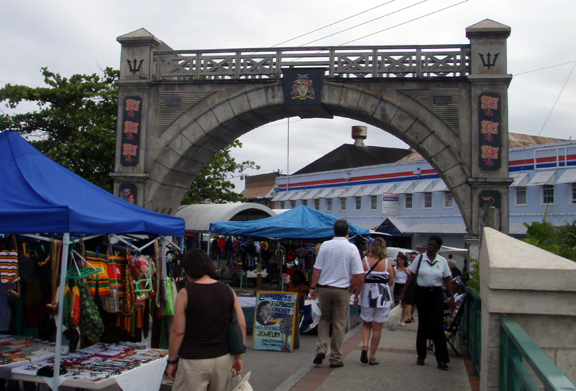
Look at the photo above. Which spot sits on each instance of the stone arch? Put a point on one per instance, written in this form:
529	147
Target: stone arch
191	147
230	92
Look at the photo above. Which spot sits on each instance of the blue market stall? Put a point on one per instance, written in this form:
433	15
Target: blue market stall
301	222
40	196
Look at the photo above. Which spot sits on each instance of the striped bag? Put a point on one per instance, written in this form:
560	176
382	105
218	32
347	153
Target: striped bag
116	266
98	283
8	266
116	271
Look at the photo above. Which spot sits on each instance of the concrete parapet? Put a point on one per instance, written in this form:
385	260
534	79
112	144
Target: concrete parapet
534	287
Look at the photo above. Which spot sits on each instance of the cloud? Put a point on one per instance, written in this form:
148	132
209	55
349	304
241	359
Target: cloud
80	37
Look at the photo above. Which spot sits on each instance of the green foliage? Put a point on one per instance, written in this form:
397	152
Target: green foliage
74	124
213	183
474	281
560	240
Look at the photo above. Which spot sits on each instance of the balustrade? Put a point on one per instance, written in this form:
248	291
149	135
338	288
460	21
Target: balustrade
344	62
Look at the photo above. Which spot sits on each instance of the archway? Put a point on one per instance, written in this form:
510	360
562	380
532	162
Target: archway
448	102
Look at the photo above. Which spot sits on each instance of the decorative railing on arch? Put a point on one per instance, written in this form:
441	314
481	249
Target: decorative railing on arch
422	61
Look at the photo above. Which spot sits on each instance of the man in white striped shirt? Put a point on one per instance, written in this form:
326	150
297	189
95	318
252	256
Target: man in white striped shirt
338	272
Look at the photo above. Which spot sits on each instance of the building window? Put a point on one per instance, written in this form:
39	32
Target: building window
573	200
427	200
280	204
373	202
343	203
316	204
329	204
548	194
305	202
521	195
292	204
448	199
358	201
408	201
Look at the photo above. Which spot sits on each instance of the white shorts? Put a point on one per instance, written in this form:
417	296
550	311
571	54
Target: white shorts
378	315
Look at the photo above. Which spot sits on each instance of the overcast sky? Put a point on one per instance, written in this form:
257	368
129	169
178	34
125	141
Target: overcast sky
79	37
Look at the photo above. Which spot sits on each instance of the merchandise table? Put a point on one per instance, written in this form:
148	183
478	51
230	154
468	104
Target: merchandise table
125	366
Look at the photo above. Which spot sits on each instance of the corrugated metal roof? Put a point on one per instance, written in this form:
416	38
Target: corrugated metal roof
569	176
385	188
367	190
292	195
280	196
440	186
337	192
301	195
423	186
520	179
543	178
323	193
352	191
404	187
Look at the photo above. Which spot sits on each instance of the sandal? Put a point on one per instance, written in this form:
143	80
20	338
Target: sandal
364	355
373	362
408	320
401	324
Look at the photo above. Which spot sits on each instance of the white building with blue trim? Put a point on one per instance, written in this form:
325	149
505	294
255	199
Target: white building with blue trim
409	200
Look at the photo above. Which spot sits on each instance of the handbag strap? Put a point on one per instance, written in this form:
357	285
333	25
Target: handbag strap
372	268
419	263
233	309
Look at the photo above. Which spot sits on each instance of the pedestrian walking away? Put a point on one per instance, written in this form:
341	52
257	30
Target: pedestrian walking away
375	298
337	274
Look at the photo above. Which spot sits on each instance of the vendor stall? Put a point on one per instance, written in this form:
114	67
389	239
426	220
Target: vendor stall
290	239
40	196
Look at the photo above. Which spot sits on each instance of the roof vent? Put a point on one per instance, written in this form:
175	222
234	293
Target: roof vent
359	134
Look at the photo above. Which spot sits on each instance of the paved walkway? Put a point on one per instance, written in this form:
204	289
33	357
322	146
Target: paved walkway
397	369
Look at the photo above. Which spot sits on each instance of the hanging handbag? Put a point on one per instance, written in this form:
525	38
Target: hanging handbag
410	296
235	337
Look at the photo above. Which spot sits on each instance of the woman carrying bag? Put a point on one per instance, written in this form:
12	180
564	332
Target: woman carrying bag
375	298
199	351
429	270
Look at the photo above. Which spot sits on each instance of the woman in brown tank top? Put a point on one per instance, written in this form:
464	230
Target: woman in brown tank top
199	355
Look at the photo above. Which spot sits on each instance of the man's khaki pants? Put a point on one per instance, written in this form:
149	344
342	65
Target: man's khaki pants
335	308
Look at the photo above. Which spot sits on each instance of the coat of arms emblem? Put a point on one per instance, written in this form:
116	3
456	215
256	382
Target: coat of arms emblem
302	88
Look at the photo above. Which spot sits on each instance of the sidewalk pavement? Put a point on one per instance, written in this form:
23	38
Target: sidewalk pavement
397	368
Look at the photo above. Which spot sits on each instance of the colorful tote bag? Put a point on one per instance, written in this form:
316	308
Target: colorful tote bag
98	283
8	267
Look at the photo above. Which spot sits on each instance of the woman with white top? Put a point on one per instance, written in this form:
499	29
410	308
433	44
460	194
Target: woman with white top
429	270
400	278
375	298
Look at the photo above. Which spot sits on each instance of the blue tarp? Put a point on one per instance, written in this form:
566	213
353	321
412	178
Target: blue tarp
301	222
40	196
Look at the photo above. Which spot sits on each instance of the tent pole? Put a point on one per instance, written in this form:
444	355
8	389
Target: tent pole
63	268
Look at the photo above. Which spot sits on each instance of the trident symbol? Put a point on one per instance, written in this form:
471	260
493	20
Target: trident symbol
134	68
484	62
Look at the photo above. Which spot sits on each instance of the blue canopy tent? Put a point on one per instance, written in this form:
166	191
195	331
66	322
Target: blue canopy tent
301	222
40	196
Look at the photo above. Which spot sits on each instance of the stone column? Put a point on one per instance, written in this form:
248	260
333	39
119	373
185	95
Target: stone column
489	133
136	74
535	288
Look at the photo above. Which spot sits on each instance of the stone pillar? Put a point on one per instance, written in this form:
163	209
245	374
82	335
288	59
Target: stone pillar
489	133
136	73
535	288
